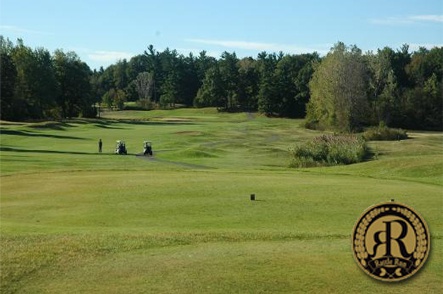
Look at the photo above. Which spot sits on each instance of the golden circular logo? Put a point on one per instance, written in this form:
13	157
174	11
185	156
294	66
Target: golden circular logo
390	241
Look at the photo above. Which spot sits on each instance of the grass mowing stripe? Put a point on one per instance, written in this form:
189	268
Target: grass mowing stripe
203	267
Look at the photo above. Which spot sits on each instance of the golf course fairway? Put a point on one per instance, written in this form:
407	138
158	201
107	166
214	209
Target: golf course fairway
74	220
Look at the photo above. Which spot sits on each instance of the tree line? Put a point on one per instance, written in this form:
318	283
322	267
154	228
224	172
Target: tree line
344	90
350	90
38	85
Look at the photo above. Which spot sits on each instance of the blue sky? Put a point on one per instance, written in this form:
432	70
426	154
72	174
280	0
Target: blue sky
104	31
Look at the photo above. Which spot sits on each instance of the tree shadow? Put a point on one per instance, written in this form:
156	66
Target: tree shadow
53	125
148	122
104	126
31	134
12	149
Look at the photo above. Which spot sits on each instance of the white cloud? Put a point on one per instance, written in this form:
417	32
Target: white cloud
431	18
260	46
234	44
408	19
109	56
18	30
390	21
415	47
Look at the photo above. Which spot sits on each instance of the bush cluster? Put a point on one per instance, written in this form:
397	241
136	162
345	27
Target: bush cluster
383	133
329	150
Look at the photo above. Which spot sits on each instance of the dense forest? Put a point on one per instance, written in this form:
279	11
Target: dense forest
344	90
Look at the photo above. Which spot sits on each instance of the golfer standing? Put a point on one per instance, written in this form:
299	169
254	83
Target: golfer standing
100	145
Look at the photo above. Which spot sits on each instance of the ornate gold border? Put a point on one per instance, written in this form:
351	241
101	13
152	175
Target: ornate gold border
422	249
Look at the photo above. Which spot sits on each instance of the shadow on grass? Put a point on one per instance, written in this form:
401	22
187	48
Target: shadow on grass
98	122
53	125
149	122
12	149
109	127
31	134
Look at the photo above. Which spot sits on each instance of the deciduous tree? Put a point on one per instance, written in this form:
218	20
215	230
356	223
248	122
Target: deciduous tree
73	77
8	73
339	90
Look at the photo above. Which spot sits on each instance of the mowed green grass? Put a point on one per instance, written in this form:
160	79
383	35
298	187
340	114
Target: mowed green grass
75	221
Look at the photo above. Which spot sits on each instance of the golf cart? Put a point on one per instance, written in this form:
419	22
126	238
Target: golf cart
120	147
147	148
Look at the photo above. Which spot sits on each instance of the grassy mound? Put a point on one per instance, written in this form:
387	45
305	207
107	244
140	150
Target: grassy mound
196	153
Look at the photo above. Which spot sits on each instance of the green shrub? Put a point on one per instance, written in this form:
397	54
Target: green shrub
383	133
311	124
133	106
146	104
328	150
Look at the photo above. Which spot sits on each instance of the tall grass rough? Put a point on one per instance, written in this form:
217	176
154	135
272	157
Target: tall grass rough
329	150
383	133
